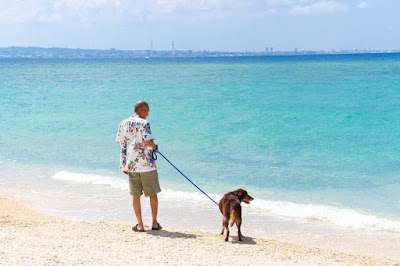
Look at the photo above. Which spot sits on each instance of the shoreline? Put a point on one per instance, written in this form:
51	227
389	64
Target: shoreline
77	201
32	237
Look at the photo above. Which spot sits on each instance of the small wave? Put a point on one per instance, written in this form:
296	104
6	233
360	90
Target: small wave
123	185
339	216
342	217
188	196
92	179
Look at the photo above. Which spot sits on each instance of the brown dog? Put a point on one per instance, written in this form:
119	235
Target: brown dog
231	210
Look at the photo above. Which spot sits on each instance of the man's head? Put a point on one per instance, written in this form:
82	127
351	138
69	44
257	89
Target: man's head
142	109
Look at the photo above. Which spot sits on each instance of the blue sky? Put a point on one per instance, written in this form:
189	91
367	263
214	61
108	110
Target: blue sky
201	24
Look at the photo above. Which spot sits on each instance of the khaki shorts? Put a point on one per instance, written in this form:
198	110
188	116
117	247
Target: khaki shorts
146	182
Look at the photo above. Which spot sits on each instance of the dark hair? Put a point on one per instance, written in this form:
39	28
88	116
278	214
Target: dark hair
140	104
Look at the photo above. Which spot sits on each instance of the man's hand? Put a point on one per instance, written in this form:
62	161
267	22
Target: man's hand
150	143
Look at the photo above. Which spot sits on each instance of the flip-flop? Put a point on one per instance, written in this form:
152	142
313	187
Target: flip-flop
136	229
157	228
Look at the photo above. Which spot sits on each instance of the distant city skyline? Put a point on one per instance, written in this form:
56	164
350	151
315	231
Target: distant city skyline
39	52
215	25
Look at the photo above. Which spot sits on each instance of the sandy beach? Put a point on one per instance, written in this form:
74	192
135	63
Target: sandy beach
29	237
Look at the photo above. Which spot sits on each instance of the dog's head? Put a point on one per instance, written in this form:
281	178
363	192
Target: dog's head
243	196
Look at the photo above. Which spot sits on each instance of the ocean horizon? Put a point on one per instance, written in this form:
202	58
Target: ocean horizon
312	138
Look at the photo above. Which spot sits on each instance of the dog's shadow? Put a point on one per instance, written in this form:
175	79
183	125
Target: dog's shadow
168	234
246	240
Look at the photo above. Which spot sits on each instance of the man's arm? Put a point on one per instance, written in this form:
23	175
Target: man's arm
150	143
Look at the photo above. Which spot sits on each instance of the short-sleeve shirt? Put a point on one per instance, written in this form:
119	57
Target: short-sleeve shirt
132	136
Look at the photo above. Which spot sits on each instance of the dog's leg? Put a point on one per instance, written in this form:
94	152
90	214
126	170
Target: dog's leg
238	223
227	234
225	225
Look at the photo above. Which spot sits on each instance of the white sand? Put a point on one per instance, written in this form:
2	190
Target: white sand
28	237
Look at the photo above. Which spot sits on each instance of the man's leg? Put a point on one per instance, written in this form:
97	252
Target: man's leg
154	209
138	212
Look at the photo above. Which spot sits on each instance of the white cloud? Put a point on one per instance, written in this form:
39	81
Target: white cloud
17	12
78	4
279	2
45	11
270	11
49	18
171	5
89	12
128	12
362	5
318	8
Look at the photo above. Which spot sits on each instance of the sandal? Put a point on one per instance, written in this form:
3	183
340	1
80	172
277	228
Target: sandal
157	228
135	228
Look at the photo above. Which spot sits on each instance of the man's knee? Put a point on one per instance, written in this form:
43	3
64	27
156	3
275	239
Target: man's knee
136	199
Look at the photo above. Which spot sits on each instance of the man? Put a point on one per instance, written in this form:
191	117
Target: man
137	147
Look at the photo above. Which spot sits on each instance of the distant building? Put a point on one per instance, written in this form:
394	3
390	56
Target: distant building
38	52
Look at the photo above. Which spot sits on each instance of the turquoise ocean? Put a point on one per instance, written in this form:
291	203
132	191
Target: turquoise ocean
315	139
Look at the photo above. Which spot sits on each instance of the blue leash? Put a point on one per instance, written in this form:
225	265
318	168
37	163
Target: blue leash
155	158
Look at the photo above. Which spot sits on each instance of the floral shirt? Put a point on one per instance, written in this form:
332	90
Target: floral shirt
132	136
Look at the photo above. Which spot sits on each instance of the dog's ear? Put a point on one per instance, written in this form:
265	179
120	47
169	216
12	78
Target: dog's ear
239	193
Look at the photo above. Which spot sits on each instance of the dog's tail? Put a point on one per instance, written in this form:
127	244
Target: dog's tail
232	218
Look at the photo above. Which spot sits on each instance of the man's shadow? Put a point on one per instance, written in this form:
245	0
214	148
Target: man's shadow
168	234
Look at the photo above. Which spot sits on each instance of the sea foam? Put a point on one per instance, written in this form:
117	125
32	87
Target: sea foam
92	179
339	216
